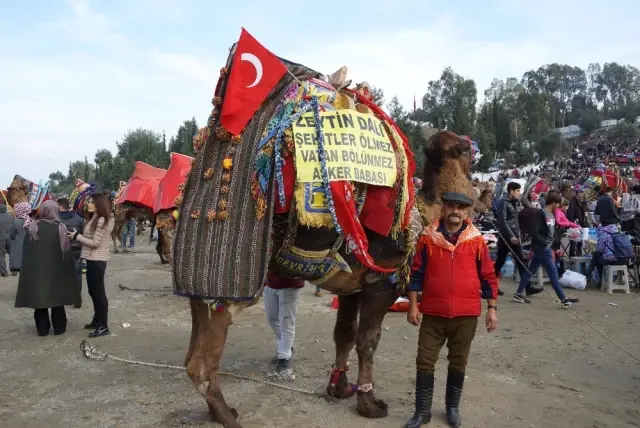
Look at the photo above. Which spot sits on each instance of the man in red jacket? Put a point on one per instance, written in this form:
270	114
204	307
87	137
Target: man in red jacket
453	270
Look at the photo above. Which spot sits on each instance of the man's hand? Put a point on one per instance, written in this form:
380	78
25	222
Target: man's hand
491	321
414	316
514	240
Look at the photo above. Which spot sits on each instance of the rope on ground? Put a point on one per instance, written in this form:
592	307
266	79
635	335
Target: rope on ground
574	313
163	289
92	353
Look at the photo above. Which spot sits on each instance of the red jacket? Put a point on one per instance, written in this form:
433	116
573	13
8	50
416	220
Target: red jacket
453	278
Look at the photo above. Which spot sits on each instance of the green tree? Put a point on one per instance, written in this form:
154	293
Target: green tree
183	140
450	103
549	144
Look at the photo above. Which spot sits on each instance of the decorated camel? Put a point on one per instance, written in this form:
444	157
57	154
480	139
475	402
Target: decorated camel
137	196
23	190
164	208
247	209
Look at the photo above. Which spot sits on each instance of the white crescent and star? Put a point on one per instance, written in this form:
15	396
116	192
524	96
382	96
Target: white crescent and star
249	57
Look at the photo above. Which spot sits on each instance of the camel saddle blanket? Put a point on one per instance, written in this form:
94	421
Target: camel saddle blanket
222	249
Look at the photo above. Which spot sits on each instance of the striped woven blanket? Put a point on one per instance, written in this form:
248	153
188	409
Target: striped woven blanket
221	248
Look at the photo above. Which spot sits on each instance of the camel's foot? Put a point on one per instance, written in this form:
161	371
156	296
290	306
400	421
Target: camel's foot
370	407
164	261
339	386
221	413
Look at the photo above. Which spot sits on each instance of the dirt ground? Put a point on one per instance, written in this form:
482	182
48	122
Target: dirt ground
542	368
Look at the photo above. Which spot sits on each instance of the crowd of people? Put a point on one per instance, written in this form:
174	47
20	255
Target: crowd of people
46	248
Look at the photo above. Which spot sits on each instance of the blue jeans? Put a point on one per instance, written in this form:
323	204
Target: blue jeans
542	258
281	307
130	231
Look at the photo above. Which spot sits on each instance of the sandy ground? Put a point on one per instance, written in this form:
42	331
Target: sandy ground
542	368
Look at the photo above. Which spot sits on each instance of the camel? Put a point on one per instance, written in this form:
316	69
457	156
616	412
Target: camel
140	213
364	295
20	190
165	223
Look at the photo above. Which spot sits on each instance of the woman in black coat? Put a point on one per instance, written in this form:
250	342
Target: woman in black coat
47	276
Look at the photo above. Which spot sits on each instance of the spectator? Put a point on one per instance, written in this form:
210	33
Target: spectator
6	219
47	277
561	218
576	214
630	215
95	250
129	230
606	208
16	236
281	306
72	221
510	240
542	237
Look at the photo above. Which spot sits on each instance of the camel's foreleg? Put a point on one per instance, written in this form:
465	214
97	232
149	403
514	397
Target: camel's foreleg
377	297
344	336
205	352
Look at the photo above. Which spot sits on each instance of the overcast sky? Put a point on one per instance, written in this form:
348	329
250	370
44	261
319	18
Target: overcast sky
76	75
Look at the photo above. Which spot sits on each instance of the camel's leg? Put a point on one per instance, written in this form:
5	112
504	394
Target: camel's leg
160	247
376	299
204	363
194	331
344	336
115	246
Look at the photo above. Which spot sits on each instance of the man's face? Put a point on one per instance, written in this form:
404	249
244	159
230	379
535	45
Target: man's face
61	208
454	213
515	194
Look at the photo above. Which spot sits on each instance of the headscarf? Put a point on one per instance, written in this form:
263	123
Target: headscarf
22	211
49	212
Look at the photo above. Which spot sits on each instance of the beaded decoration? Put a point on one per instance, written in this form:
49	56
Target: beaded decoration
324	171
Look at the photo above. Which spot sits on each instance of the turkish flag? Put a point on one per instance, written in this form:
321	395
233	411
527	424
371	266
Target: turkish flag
254	73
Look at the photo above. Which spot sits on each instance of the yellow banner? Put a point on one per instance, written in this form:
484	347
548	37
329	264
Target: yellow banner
356	145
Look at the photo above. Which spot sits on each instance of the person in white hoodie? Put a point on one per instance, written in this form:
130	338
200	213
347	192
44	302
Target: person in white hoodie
630	214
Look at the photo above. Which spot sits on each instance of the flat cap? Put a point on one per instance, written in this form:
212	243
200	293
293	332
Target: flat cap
458	198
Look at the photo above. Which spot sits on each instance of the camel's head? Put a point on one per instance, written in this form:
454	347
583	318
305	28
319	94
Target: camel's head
444	150
485	199
18	191
445	145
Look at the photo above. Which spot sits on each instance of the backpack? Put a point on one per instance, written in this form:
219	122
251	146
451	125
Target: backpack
622	247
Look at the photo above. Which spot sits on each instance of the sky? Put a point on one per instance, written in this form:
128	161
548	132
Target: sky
75	75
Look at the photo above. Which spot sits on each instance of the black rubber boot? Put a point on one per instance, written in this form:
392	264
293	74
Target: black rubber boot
424	400
455	381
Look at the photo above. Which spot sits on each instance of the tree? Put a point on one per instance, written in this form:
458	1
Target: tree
378	95
548	144
487	145
141	145
183	140
450	103
624	130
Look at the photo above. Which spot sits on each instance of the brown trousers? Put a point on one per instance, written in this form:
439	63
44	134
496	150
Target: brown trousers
434	331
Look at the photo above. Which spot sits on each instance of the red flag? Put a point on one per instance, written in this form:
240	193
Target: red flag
254	73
